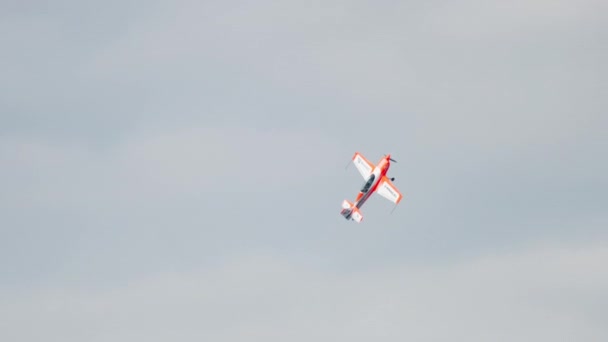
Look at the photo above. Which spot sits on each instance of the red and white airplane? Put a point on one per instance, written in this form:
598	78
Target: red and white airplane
375	181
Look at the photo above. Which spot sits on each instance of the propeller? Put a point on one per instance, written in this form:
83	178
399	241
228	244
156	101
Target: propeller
394	161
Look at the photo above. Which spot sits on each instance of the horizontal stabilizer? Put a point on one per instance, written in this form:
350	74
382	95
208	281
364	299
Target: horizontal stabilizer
356	215
346	204
350	212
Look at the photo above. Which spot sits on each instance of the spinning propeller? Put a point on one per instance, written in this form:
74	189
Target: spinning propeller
394	161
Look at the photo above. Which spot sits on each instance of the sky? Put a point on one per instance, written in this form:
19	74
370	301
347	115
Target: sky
175	170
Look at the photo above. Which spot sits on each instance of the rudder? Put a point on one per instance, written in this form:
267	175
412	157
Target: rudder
350	212
356	215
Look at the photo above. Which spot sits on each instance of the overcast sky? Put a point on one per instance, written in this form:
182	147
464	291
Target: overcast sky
175	170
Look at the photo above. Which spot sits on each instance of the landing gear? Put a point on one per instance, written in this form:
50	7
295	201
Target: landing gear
392	179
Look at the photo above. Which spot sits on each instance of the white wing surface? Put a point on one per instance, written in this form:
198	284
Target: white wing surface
357	217
387	190
364	166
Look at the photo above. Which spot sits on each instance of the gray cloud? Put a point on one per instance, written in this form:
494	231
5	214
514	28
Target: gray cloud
197	150
543	293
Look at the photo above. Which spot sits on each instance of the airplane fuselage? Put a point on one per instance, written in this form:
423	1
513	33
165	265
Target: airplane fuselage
369	187
376	181
372	182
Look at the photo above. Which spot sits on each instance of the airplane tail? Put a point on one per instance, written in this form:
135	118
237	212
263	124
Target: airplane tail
350	212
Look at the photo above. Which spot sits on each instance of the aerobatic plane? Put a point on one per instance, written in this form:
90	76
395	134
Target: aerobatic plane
376	181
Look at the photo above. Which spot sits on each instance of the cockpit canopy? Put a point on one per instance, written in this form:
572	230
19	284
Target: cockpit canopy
369	183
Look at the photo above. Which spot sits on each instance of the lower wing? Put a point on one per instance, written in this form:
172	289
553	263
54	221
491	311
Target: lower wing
389	191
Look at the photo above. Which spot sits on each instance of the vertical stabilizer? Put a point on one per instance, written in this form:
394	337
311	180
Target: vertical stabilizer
350	212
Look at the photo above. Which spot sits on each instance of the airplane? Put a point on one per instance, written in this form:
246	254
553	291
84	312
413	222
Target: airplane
376	181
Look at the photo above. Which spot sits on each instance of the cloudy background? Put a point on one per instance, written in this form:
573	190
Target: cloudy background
174	170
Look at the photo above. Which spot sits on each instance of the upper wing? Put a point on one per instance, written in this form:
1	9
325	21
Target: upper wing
387	190
364	166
